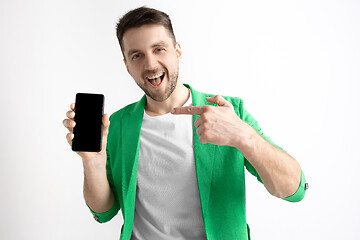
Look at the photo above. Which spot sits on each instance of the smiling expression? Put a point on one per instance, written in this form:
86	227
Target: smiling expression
152	59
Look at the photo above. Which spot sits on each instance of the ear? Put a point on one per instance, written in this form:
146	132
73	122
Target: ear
178	50
127	68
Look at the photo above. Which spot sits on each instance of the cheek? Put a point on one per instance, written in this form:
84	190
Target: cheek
136	76
134	70
171	62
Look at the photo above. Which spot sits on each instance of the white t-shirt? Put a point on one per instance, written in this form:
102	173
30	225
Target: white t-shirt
167	204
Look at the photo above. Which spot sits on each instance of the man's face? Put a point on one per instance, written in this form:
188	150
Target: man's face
152	60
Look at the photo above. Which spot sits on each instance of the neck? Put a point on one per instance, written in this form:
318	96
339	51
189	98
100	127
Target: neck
177	99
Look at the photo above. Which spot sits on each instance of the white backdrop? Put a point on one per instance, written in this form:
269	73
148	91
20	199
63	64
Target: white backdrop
295	64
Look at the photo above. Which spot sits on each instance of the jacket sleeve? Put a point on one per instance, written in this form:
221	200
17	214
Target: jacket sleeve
249	119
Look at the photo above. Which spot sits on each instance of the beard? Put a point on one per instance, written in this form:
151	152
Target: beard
172	82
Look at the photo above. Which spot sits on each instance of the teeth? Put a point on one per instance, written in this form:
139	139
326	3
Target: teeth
156	76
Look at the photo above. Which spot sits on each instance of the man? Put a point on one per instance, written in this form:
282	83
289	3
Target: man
174	161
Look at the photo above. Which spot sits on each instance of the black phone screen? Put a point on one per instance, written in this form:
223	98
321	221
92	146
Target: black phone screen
89	109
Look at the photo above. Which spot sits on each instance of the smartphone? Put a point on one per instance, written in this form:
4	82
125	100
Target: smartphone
89	109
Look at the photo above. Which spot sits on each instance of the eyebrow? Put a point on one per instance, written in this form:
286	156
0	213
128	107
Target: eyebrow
158	44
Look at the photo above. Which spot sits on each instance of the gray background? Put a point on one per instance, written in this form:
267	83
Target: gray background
295	64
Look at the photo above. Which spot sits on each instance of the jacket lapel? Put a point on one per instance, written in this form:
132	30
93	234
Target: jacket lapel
204	156
131	127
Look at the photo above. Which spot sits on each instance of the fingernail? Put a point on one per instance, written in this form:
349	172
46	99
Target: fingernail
173	110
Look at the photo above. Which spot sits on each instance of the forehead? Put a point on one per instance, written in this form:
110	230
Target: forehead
145	36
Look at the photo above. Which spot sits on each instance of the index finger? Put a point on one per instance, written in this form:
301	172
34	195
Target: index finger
190	110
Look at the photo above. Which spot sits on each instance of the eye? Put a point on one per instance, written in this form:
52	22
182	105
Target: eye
159	49
135	56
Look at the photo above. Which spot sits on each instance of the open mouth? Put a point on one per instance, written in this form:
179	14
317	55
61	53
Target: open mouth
156	80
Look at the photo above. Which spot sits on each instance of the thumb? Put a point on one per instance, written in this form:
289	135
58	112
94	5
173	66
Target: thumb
219	100
106	124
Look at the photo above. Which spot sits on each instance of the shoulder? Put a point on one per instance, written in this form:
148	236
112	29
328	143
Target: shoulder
199	98
119	114
129	114
128	110
237	103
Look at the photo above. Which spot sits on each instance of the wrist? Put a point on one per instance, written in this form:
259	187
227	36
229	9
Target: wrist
247	140
94	164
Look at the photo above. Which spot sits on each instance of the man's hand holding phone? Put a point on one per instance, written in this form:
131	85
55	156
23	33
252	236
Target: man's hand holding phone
70	123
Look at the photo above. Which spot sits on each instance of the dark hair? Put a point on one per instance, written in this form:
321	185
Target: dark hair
142	16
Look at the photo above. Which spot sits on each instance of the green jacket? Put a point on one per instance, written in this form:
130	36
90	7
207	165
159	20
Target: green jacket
219	171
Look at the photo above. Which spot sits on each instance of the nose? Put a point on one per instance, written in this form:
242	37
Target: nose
150	62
